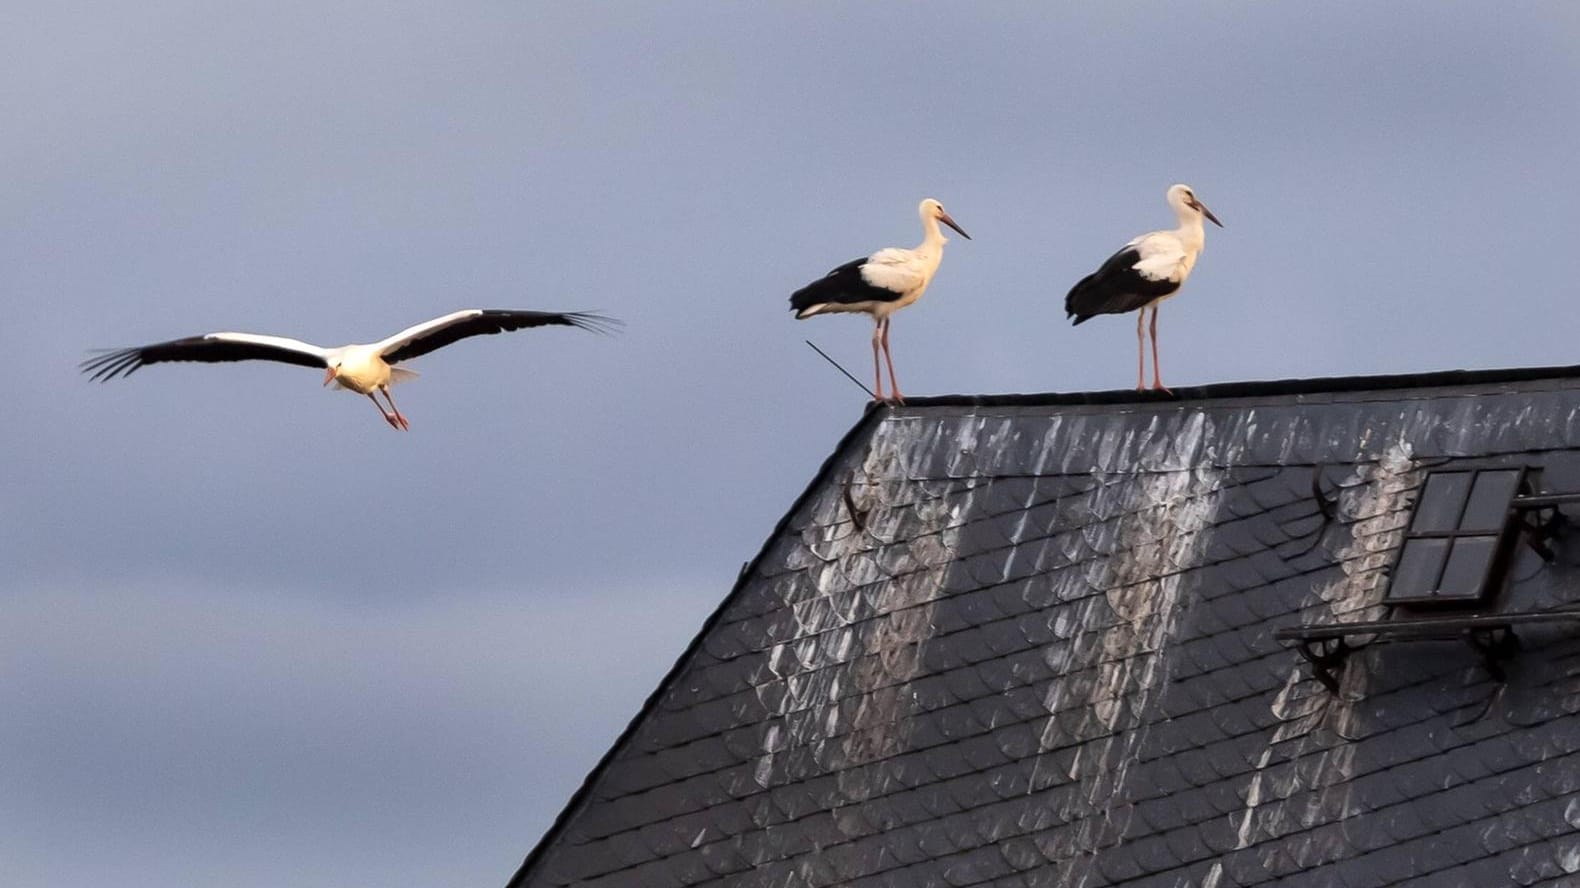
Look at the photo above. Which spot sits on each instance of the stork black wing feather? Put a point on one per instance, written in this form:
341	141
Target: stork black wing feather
494	320
126	361
1115	288
843	285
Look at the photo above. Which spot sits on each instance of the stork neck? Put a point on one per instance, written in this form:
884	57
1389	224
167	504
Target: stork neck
1190	229
933	239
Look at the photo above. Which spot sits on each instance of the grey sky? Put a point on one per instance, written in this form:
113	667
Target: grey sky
249	635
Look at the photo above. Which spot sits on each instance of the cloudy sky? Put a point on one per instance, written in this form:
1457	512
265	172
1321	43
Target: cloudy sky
251	636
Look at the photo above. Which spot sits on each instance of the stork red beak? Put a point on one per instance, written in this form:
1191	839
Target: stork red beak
1205	212
329	376
944	218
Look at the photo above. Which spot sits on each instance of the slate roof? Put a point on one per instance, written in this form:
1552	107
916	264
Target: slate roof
1029	641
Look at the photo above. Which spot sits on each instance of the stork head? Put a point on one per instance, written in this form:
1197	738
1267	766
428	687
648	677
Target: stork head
1184	201
932	209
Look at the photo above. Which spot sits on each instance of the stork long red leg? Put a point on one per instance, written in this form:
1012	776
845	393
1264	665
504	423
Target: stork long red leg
1141	349
877	370
894	382
382	412
1157	372
404	425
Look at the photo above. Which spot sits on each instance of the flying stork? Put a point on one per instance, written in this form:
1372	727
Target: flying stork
364	369
880	285
1143	273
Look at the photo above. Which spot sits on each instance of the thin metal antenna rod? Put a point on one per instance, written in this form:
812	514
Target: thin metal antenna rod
842	370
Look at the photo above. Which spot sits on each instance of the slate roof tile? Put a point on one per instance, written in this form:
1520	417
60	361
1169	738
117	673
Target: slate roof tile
1189	846
1031	643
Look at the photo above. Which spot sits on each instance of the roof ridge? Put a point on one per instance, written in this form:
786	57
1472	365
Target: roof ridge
1256	388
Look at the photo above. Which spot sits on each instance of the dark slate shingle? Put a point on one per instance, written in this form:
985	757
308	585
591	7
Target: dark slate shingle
1028	641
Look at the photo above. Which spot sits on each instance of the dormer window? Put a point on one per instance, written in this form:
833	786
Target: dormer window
1458	543
1456	552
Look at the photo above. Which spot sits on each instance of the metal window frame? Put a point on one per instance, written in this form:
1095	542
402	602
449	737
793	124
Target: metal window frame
1503	538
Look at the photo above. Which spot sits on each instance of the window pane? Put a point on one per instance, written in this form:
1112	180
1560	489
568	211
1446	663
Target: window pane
1419	565
1467	567
1489	501
1441	502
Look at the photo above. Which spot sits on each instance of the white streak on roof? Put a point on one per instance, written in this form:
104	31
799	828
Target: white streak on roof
844	698
1377	495
1160	515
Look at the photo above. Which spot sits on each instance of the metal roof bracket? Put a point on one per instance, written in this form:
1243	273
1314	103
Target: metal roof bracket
1537	532
1326	656
1327	504
1495	644
1491	636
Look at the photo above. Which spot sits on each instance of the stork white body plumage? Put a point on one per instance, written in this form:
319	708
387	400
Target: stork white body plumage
362	368
1143	273
880	285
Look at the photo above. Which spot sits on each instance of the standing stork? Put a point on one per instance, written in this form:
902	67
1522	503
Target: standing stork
880	285
1143	273
363	369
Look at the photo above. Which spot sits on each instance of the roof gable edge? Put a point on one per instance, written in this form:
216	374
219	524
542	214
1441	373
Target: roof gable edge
870	418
